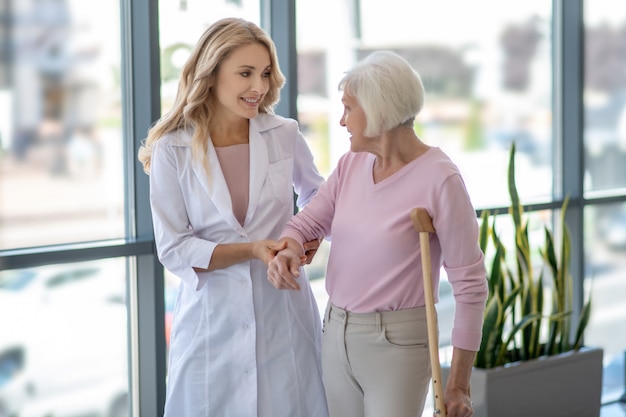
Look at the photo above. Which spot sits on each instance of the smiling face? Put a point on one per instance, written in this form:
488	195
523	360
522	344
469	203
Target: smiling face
242	81
353	119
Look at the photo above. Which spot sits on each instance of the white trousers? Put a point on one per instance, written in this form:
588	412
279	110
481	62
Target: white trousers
375	364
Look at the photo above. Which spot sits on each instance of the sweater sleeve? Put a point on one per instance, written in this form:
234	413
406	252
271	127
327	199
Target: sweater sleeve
463	261
315	219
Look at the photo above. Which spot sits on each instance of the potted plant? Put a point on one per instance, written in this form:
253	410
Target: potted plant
532	361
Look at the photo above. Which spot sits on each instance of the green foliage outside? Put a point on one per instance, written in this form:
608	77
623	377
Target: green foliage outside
475	137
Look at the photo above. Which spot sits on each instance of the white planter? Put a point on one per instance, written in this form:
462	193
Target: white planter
565	385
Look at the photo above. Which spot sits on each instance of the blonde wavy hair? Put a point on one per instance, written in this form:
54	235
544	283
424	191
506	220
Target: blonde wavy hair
194	104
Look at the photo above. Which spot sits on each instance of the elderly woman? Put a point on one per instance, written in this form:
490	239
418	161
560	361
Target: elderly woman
375	357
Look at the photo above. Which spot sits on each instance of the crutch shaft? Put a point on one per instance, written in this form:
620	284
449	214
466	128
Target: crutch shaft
423	224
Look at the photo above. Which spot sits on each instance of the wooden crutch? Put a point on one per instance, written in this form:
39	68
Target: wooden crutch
424	225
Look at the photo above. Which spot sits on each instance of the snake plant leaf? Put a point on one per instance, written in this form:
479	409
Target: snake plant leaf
496	278
515	208
582	324
521	325
483	238
550	347
492	333
529	333
511	298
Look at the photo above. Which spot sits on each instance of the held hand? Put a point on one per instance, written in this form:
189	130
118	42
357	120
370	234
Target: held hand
310	249
458	403
266	250
284	269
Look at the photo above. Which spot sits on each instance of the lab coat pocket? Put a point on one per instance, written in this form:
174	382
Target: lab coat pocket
280	179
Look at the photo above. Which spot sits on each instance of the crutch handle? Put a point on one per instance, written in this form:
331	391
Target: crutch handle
422	221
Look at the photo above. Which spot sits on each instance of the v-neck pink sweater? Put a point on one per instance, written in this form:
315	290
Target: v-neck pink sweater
375	262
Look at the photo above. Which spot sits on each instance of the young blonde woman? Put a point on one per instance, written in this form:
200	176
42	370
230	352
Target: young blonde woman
375	344
222	171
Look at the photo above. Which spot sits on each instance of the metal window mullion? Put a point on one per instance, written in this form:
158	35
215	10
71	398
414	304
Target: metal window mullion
278	18
568	72
141	102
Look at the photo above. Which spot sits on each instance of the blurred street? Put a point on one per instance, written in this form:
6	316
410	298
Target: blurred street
38	208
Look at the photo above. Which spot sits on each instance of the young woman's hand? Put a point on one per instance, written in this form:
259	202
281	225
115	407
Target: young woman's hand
284	269
266	250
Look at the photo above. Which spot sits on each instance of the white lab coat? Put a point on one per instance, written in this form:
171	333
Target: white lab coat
239	347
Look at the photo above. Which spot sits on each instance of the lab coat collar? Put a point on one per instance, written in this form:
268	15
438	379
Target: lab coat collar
216	186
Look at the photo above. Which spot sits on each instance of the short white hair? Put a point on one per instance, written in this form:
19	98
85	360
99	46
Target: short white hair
388	89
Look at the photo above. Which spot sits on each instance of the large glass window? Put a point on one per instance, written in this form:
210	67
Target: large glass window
64	328
605	95
63	349
606	283
605	176
61	161
487	78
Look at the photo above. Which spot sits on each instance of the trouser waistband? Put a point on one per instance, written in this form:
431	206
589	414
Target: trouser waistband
375	318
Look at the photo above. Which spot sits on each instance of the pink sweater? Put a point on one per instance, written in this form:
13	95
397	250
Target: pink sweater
375	262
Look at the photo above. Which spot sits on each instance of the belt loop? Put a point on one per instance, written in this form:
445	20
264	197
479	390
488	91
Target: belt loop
379	326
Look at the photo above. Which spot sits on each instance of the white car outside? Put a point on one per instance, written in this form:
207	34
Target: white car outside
64	347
